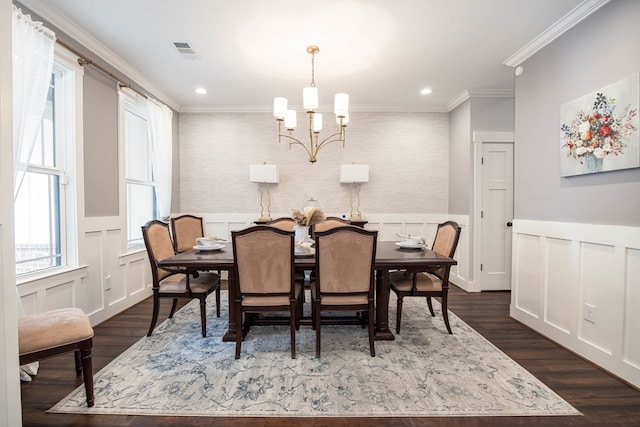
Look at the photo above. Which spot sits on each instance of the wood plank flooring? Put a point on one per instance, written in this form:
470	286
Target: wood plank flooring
603	399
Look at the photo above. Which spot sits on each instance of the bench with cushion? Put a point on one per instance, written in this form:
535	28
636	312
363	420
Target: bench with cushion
54	332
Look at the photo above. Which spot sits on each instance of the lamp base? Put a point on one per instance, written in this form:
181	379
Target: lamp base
264	218
355	217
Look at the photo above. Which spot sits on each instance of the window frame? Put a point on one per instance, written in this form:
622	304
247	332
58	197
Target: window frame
130	101
69	153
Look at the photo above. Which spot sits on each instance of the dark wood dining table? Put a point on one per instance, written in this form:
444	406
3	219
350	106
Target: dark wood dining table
388	257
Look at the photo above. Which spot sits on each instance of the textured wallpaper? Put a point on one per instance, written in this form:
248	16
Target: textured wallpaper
407	154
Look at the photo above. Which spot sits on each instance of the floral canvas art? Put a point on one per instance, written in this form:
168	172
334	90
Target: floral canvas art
599	131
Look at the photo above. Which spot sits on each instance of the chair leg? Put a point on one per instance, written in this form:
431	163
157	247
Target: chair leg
203	315
372	348
445	312
154	316
173	308
294	326
399	313
316	321
87	372
238	329
430	307
218	301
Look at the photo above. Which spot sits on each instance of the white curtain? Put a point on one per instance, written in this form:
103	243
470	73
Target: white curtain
161	136
32	50
32	59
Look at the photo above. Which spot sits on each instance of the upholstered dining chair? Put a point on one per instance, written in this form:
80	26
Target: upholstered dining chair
431	283
186	229
345	259
329	223
284	223
174	285
265	278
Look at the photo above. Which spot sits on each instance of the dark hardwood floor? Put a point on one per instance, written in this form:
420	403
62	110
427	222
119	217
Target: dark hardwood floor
603	399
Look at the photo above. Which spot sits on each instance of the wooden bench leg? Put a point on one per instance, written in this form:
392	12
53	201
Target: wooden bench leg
85	355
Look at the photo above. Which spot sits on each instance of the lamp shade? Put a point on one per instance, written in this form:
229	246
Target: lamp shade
354	173
267	174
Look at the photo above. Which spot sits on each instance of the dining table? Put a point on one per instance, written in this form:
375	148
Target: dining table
389	256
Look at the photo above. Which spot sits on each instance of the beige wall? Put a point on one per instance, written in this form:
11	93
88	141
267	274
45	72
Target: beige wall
408	155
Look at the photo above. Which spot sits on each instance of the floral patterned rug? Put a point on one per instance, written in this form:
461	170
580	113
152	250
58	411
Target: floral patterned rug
424	372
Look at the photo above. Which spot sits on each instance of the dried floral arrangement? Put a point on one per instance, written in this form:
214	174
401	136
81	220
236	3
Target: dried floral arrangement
308	216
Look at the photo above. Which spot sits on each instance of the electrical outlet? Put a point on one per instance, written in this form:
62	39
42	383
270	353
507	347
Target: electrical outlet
107	283
590	313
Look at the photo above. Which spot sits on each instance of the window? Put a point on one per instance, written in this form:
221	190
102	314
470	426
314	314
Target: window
140	188
44	206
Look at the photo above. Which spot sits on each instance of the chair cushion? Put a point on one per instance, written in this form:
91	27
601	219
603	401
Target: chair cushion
178	283
424	283
338	299
269	300
54	328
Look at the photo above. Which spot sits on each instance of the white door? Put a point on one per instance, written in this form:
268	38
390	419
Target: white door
496	215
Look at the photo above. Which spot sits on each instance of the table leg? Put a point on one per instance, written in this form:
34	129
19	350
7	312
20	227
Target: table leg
230	336
382	332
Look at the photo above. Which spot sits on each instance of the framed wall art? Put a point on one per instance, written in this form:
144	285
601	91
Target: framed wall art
599	131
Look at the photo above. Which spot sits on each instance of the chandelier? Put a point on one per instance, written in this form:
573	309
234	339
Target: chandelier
287	118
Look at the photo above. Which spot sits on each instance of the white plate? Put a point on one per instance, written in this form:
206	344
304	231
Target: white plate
215	247
302	252
409	246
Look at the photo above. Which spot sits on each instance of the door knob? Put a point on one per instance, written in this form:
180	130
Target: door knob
509	224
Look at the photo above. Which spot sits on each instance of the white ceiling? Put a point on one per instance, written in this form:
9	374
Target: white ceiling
381	52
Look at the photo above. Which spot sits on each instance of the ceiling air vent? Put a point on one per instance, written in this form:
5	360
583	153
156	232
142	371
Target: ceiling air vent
185	50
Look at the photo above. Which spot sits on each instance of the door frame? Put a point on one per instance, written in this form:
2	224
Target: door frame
479	138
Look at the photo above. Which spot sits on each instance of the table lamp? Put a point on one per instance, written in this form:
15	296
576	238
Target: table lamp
265	175
354	175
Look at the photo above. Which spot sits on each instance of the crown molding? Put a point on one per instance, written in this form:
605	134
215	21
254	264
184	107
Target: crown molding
353	108
87	40
580	12
478	93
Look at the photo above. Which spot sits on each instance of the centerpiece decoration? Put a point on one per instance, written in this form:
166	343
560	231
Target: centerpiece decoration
304	219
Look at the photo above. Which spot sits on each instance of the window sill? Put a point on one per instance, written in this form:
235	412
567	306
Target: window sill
57	273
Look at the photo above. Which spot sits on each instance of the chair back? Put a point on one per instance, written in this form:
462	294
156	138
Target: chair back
329	223
345	259
186	229
157	240
284	223
446	242
264	258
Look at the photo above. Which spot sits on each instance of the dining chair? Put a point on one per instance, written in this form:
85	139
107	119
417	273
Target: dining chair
344	281
283	223
167	284
265	278
186	229
329	223
433	282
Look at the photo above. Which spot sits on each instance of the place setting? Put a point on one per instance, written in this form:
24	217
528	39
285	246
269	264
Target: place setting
210	244
411	242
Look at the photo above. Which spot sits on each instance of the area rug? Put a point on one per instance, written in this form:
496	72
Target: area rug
424	372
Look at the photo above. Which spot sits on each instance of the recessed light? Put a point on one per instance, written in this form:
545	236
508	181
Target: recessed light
426	91
201	91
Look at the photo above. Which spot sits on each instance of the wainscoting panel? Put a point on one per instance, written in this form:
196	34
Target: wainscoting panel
561	267
579	284
631	348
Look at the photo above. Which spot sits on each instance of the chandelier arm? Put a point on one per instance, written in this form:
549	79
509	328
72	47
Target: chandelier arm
338	135
296	141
